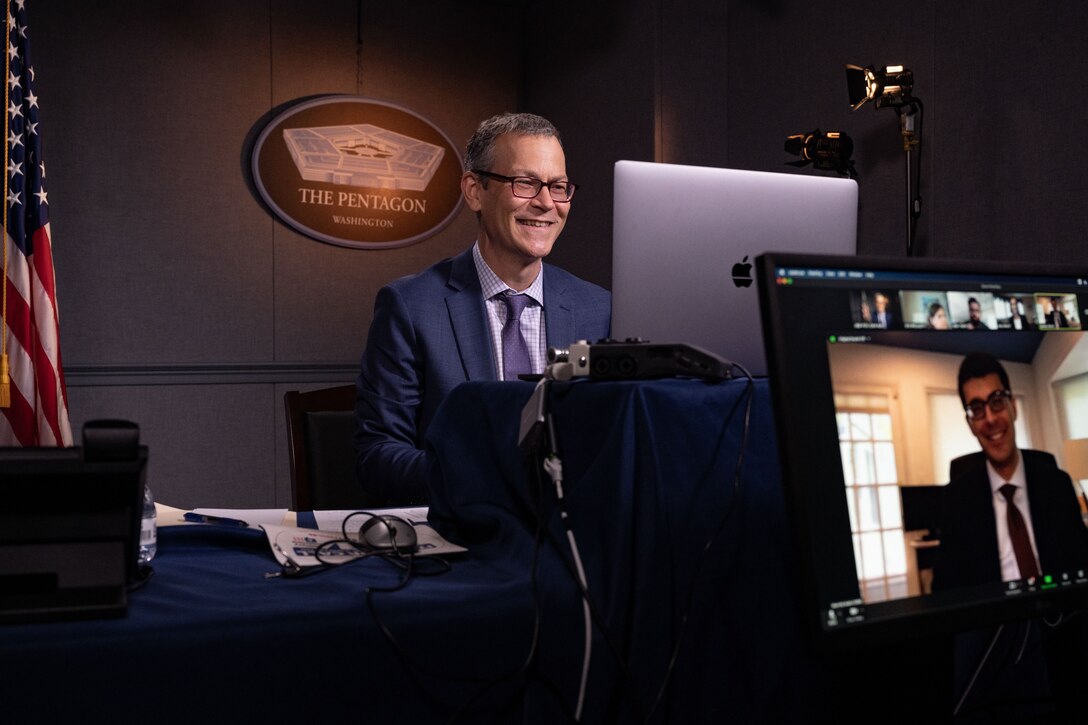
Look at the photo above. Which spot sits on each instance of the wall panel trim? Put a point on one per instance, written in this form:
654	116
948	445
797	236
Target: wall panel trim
81	376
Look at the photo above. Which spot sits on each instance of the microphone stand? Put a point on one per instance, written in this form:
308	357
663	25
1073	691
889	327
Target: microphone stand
536	438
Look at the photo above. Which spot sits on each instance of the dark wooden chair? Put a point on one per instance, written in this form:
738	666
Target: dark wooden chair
320	427
922	511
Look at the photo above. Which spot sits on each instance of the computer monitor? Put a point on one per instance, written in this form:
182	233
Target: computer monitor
864	357
69	531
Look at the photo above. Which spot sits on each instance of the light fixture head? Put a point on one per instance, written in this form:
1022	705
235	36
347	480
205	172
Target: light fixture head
829	151
891	86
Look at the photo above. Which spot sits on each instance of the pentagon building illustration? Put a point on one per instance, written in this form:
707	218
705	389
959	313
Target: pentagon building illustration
363	155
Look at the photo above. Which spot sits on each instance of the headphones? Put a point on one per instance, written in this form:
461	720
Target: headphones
388	533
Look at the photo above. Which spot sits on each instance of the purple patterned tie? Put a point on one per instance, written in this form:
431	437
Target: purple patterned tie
1018	532
515	353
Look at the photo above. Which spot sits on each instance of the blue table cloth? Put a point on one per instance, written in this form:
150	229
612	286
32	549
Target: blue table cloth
677	548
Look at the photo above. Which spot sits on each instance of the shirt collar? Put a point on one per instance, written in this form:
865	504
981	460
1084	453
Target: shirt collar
493	286
1018	477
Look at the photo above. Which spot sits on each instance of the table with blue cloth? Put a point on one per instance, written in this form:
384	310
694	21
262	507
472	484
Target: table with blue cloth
693	615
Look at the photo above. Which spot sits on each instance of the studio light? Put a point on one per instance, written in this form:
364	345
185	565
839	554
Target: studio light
893	87
889	87
829	151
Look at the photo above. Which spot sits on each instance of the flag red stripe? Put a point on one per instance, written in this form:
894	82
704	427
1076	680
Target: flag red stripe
43	264
21	417
46	276
47	327
46	386
18	317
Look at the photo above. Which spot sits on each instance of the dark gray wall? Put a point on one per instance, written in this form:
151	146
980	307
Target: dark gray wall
185	307
723	84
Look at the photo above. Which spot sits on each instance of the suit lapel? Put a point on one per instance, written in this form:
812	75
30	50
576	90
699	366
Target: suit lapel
1037	482
985	528
468	317
558	315
979	559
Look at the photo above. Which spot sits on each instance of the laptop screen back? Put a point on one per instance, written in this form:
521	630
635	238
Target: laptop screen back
685	239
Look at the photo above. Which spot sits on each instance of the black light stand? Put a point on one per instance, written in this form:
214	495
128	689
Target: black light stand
911	141
891	87
537	443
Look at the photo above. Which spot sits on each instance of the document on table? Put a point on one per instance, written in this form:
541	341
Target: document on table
173	516
253	517
298	547
332	520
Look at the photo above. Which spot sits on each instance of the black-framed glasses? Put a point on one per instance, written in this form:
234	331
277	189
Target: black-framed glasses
526	187
997	402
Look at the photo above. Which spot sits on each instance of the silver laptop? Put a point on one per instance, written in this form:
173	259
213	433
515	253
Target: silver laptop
685	238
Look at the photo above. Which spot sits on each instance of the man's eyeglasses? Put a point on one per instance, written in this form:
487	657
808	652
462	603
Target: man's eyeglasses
997	402
526	187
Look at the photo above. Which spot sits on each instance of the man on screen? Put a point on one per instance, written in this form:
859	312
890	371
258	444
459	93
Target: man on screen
1055	316
1018	320
488	313
1008	513
974	315
1011	514
881	314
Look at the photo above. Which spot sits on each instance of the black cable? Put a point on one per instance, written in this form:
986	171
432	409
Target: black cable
417	571
554	466
407	577
631	688
531	656
1013	657
408	563
290	569
411	567
598	619
978	670
749	394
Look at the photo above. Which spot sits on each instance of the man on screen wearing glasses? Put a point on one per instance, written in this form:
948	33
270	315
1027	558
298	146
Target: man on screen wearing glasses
1011	515
489	313
1008	514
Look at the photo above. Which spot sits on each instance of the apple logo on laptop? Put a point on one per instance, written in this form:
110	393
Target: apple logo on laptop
742	273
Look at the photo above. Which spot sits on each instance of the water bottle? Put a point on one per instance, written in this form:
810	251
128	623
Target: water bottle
148	529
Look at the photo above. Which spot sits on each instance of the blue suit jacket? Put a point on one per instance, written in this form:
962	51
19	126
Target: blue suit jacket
429	334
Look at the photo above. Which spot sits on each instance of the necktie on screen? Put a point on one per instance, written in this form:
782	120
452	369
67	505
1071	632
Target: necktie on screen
1018	532
515	353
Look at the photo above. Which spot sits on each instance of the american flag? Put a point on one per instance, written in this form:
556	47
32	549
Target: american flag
36	413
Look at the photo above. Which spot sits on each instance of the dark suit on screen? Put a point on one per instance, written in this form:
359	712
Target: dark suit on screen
1032	666
428	335
968	553
1057	318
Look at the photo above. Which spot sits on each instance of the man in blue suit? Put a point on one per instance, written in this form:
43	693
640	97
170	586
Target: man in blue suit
444	326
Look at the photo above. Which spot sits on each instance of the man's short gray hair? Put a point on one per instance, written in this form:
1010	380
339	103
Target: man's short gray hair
480	152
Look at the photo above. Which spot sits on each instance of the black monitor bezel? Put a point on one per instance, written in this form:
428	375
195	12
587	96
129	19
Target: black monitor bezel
53	495
899	619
